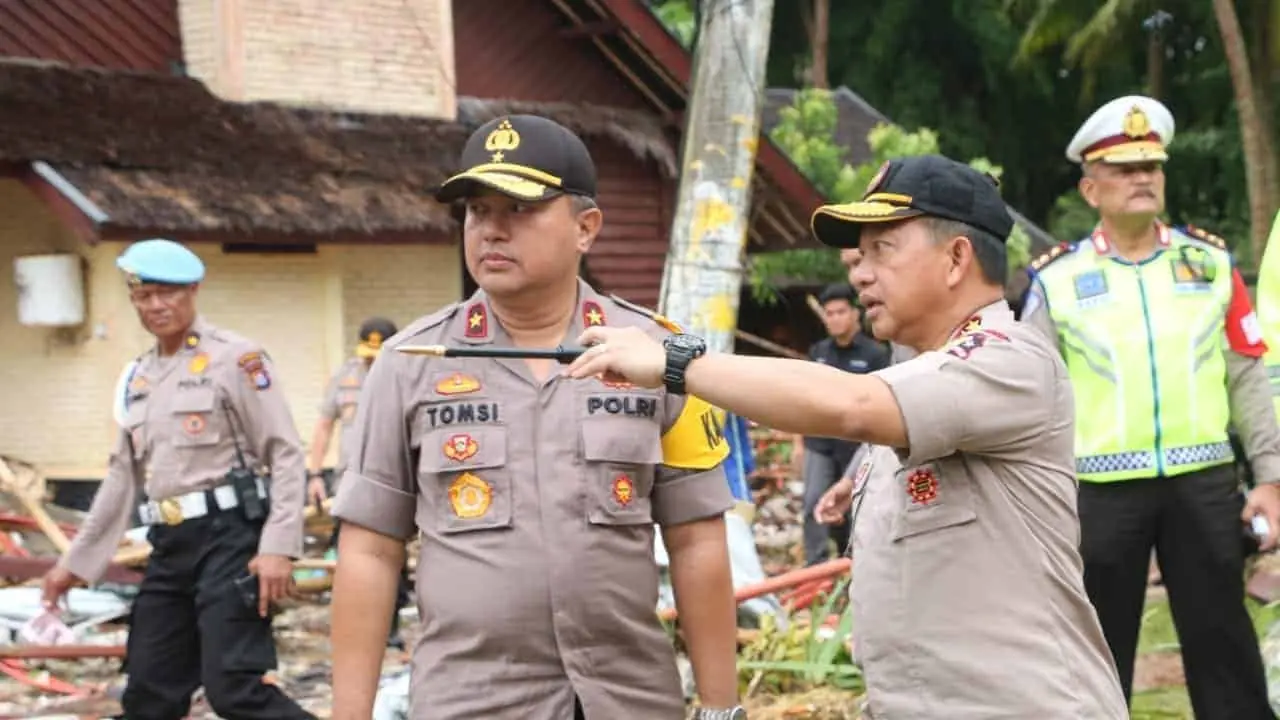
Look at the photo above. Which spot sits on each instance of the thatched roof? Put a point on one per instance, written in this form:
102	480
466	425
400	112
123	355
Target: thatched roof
161	153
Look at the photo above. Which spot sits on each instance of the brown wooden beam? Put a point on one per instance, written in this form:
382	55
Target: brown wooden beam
591	29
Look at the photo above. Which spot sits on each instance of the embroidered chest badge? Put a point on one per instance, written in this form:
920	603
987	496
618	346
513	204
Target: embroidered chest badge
198	364
470	496
922	486
461	447
624	490
193	424
457	384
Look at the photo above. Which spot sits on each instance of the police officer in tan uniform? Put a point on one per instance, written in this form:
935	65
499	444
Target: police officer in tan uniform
339	405
967	593
340	401
535	496
204	413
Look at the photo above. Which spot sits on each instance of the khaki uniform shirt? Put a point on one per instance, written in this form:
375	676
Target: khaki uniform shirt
536	505
968	588
183	439
340	404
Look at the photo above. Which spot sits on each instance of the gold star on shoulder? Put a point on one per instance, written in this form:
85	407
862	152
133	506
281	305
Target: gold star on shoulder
476	319
594	317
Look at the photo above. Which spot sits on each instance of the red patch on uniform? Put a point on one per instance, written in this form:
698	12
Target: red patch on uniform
460	447
922	486
592	315
617	384
624	491
1244	332
968	344
193	424
477	321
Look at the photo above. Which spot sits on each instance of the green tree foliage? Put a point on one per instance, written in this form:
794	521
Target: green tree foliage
804	132
950	65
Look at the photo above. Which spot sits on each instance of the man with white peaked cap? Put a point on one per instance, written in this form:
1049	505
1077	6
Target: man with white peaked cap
1165	354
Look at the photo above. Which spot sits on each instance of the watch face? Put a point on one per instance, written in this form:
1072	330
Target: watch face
686	343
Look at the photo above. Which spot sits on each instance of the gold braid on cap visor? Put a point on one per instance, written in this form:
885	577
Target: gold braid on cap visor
520	180
876	207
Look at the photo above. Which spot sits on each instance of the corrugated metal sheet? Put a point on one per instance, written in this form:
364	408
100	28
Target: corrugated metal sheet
514	49
140	35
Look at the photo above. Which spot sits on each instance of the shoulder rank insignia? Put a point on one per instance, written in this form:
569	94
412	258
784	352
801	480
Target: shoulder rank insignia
662	320
1054	253
1205	235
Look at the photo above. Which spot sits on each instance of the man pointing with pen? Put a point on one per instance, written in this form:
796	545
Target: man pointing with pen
967	591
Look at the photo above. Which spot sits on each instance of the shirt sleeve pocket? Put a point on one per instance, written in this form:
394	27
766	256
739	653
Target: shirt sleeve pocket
195	414
936	500
466	480
620	456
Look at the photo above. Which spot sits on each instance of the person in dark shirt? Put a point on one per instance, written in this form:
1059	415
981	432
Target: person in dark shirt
824	459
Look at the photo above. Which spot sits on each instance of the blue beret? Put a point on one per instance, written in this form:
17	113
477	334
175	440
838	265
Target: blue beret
160	261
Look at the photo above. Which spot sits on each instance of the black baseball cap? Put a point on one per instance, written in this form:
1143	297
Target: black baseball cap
926	185
525	157
373	332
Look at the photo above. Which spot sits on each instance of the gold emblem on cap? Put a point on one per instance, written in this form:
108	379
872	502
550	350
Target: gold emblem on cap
504	138
1136	124
876	179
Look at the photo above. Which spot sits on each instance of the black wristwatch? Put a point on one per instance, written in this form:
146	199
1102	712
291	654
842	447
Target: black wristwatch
681	350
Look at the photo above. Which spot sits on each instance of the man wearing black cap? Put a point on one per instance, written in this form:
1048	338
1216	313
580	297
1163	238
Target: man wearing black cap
340	401
967	584
824	459
535	496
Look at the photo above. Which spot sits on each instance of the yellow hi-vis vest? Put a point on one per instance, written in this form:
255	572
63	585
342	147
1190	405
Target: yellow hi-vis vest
1143	343
1268	308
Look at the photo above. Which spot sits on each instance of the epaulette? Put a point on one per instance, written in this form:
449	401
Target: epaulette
662	320
1204	235
425	322
1054	253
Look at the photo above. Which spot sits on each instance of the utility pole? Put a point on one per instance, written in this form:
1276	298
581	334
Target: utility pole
702	280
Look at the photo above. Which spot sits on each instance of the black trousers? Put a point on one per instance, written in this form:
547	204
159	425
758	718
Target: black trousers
190	628
402	590
1193	522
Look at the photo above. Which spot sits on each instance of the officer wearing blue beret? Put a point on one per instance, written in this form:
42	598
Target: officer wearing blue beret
202	414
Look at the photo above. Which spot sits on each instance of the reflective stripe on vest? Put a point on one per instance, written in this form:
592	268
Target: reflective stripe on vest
1144	343
1268	308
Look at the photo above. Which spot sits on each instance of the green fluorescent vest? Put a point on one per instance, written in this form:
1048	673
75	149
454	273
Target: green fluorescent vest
1143	343
1269	308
